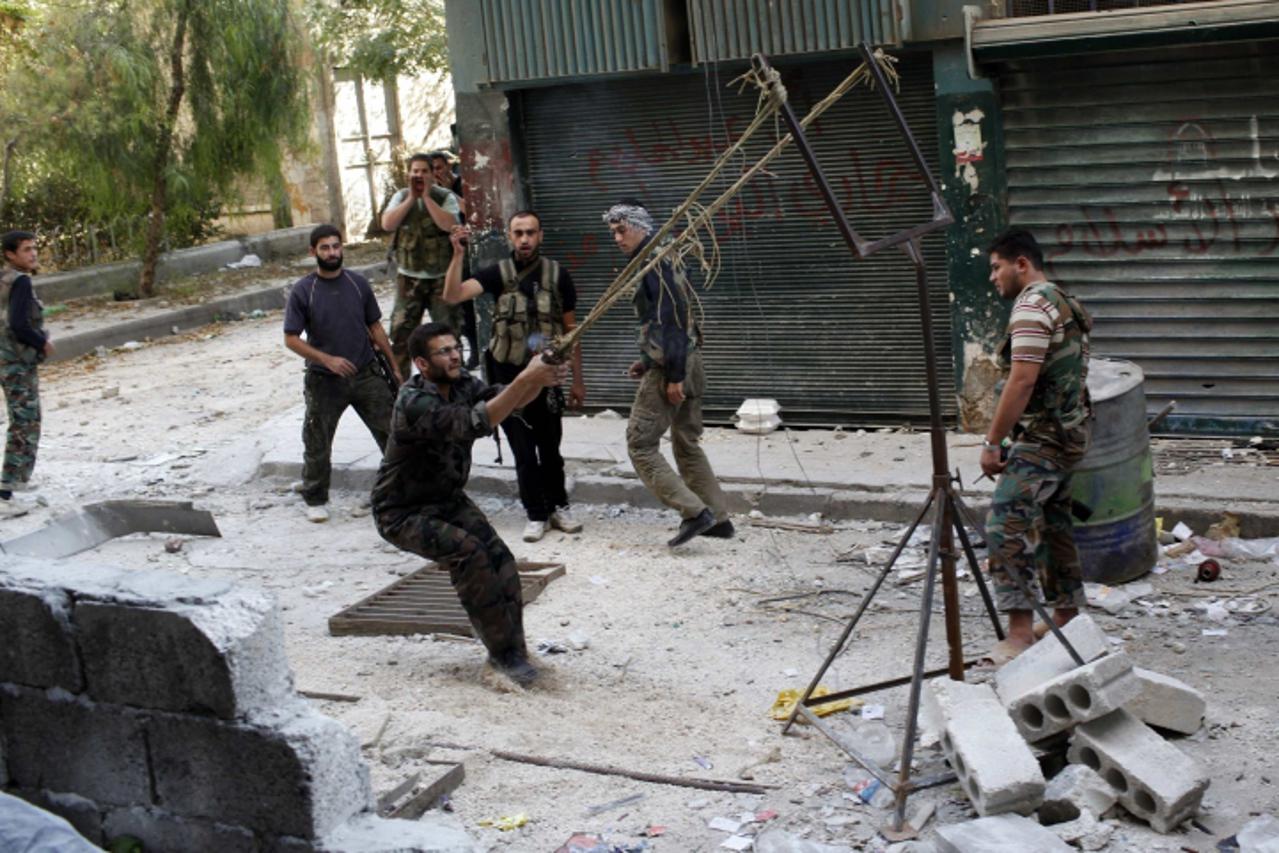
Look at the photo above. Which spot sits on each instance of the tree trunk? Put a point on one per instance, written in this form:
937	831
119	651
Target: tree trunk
163	152
7	176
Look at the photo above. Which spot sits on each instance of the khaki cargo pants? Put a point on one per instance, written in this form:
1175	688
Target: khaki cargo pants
695	487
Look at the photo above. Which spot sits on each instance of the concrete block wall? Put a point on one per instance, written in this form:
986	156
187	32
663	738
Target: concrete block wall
162	707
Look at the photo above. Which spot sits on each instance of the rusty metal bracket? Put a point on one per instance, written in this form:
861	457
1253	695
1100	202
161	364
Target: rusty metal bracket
96	523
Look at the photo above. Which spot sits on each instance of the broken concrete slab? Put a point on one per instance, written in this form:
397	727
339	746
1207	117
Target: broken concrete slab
1075	790
301	776
159	830
1167	702
1259	835
370	834
1000	834
1085	832
224	656
95	523
1154	780
38	649
995	766
54	741
1082	694
1048	658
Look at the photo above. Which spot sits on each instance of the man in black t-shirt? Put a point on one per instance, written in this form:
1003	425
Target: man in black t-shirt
340	316
535	303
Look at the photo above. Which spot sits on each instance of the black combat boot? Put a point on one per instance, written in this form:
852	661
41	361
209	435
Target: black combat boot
720	530
515	665
695	526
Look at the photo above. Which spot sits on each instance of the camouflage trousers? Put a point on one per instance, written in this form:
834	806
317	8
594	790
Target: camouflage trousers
480	566
327	397
1030	532
22	395
413	298
695	487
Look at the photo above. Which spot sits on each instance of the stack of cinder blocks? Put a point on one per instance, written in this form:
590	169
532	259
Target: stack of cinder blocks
1104	705
162	707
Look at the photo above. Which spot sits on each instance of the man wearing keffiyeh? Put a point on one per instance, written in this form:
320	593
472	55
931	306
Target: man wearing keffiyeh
672	384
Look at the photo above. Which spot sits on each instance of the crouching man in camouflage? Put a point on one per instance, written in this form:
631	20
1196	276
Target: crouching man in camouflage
418	502
1029	530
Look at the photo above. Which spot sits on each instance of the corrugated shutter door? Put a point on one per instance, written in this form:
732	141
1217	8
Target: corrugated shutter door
791	316
1153	181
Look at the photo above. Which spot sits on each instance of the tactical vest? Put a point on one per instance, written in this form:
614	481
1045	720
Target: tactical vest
649	339
12	349
516	319
1060	399
421	246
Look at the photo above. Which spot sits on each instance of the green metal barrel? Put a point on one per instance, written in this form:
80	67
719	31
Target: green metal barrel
1115	479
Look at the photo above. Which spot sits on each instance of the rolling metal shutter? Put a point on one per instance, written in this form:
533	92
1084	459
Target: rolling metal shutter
1153	181
792	315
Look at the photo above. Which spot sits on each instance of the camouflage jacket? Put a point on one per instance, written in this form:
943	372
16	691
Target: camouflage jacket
428	453
1056	418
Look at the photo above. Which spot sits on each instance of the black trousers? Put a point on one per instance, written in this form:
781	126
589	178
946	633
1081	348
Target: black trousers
534	437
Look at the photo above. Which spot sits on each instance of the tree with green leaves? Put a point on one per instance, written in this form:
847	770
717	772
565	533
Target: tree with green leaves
381	39
162	106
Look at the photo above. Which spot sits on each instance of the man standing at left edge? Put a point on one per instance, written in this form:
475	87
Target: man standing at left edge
23	345
340	316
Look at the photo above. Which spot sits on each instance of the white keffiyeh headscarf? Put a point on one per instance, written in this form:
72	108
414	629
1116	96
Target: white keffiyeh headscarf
634	215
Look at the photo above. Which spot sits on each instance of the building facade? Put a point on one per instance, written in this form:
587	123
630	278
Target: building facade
1144	163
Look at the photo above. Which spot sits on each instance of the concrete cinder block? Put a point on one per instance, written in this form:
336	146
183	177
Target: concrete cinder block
1167	702
1000	834
1154	780
1073	791
160	830
223	657
37	649
995	766
80	812
1082	694
302	776
1048	658
56	742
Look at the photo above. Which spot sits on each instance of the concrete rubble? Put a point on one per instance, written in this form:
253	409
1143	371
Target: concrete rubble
999	834
1167	702
1155	781
996	768
1074	791
162	707
1082	694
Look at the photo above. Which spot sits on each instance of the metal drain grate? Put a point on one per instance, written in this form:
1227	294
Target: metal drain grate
425	603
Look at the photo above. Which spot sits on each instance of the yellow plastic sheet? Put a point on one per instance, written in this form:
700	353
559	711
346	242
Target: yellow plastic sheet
506	823
786	700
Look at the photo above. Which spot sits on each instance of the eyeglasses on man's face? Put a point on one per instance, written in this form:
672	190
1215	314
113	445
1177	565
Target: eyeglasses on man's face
448	351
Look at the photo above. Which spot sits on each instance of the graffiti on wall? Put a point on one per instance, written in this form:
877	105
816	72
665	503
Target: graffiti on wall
1209	204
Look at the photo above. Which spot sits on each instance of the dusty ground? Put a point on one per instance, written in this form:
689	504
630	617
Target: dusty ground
682	659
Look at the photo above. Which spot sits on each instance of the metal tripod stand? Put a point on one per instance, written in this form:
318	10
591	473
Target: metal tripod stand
949	513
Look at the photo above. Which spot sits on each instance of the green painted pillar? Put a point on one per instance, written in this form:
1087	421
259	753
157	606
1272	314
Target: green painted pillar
970	131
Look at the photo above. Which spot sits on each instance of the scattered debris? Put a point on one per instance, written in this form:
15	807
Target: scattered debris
656	778
823	527
330	697
96	523
613	804
786	700
504	823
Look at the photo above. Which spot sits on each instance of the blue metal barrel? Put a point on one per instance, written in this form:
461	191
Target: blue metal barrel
1115	479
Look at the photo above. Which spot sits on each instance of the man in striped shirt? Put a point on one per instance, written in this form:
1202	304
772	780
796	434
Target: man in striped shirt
1030	531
